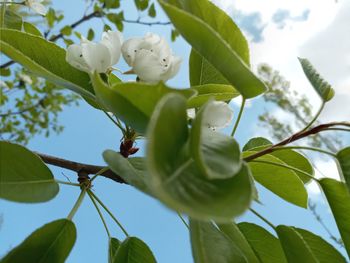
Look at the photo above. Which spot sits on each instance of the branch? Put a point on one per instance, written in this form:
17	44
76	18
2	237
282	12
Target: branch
295	137
80	168
146	23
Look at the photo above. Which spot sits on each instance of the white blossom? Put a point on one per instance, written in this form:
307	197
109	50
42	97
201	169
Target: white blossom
218	115
151	58
25	78
90	56
36	6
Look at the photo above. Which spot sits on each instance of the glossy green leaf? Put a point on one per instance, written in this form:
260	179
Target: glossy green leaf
216	154
232	231
343	157
211	91
322	87
288	156
113	247
210	245
45	59
31	29
50	243
202	72
175	178
9	19
23	175
134	250
266	246
279	180
294	246
338	197
133	102
210	43
132	170
322	250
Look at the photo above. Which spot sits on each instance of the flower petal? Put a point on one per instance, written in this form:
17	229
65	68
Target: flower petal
97	56
219	115
173	67
128	50
74	57
113	41
38	8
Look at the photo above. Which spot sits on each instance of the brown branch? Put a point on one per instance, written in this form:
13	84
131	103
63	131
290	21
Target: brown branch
80	168
146	23
295	137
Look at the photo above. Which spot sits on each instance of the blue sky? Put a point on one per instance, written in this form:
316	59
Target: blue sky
88	133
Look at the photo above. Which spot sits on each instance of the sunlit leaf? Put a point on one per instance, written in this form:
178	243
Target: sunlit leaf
133	250
343	157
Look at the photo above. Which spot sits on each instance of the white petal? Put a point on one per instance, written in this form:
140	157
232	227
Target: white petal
38	8
147	66
191	113
113	41
219	115
172	68
128	50
74	57
97	56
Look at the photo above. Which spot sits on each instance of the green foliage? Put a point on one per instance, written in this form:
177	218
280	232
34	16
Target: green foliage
343	157
31	29
114	244
9	19
50	243
322	87
23	176
202	36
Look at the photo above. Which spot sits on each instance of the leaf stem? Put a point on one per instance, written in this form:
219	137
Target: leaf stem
109	212
99	213
77	204
99	173
116	122
262	218
316	116
183	220
15	3
67	183
338	129
238	117
305	148
287	167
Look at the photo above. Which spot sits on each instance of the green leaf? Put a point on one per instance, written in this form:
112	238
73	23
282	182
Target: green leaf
45	59
152	11
266	246
338	197
9	19
175	178
66	30
50	243
91	34
132	170
216	154
23	175
232	231
322	87
134	250
5	72
210	245
322	250
288	156
31	29
133	102
114	245
279	180
343	157
294	246
211	91
214	45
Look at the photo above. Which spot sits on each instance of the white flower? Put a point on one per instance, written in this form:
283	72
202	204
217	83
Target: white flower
90	56
151	58
218	115
36	6
25	78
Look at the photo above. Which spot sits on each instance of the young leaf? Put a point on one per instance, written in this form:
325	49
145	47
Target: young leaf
9	19
175	178
266	246
279	180
232	231
208	42
133	102
31	29
217	155
114	245
45	59
133	250
322	87
294	246
211	91
50	243
288	156
210	245
23	176
343	157
338	197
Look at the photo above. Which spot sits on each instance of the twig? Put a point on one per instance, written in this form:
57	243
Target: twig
146	23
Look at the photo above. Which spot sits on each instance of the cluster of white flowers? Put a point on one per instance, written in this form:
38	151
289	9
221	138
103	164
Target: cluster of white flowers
150	57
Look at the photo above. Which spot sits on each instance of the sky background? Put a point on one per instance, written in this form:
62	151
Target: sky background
278	32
